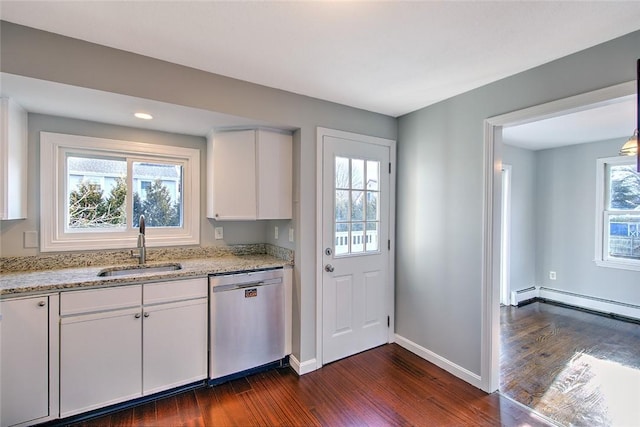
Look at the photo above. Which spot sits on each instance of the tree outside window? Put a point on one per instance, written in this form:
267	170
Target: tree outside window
91	207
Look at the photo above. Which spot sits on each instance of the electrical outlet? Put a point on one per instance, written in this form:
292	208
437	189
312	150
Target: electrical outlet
291	234
275	233
219	233
552	275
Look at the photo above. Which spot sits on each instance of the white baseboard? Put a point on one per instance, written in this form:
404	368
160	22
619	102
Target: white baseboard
440	361
523	295
304	367
590	303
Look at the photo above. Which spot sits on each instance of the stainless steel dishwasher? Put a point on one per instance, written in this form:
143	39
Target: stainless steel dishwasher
247	327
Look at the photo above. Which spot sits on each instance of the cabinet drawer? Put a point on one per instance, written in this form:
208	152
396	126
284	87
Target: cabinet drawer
178	290
95	300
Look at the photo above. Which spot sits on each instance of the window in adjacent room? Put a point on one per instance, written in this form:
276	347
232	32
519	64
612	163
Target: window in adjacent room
94	191
618	213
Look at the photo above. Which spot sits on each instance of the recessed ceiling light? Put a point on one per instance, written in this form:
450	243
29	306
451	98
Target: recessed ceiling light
144	116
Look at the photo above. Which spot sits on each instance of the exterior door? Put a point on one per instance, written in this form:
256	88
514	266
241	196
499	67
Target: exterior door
356	284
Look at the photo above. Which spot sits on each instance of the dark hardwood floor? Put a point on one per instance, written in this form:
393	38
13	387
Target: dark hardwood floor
577	368
386	386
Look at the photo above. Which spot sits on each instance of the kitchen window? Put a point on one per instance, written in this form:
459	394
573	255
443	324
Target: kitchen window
618	213
94	191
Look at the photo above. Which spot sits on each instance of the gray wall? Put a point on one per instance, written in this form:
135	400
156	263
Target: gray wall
565	224
523	203
553	222
47	56
11	240
440	195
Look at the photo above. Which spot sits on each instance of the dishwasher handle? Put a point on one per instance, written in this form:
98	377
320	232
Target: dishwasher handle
231	287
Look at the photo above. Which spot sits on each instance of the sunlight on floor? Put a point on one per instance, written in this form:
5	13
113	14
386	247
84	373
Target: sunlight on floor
602	392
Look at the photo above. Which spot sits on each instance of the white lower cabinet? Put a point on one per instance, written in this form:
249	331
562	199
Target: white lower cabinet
174	345
100	360
130	341
100	350
28	375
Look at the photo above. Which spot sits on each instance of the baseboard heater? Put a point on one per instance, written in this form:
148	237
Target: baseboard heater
614	309
524	296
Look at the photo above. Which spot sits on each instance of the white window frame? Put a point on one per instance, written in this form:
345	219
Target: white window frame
602	258
53	234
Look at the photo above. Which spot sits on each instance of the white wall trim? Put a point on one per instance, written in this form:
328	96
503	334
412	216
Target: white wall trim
440	361
304	367
490	335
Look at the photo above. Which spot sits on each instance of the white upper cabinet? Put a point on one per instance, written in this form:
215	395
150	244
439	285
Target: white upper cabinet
249	175
13	160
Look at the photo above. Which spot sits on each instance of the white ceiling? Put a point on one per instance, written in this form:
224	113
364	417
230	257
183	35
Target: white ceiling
388	57
616	119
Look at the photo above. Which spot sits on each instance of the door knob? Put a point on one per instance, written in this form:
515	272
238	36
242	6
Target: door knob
328	268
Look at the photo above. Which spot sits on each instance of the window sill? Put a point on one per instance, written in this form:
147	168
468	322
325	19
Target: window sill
618	265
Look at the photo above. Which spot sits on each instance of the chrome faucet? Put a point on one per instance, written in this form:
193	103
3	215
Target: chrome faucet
142	245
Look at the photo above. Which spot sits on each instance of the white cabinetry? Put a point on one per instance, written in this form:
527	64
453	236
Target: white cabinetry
28	368
124	342
249	175
175	334
13	160
100	350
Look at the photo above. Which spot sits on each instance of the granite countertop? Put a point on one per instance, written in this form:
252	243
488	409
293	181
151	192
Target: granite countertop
21	283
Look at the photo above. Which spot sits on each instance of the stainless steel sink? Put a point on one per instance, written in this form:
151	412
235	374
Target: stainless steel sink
138	269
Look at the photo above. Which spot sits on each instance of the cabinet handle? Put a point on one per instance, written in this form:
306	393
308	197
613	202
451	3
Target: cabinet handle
137	316
146	315
42	304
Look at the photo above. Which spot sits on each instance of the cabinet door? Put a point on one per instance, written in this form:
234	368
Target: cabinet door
174	344
232	185
275	175
24	354
100	360
13	160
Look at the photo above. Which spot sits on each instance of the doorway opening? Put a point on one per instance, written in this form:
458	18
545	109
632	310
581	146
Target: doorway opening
498	238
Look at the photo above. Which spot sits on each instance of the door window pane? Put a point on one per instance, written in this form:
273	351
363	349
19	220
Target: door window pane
342	205
157	194
372	206
372	237
342	239
357	213
357	174
357	237
373	175
357	205
342	172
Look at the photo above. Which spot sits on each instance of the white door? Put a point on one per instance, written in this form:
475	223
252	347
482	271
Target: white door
356	284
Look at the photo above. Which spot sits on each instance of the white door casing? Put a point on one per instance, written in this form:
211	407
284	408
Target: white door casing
491	234
505	259
355	258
